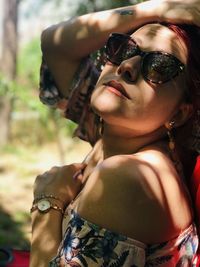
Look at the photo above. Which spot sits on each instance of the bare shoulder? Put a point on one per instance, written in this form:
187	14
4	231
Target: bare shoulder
144	191
151	169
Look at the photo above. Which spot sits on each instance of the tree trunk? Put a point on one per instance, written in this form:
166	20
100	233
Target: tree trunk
5	113
8	66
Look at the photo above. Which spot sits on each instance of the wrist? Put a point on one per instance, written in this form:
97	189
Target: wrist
46	203
60	200
128	18
47	196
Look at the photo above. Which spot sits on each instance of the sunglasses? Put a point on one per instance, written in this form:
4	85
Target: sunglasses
157	67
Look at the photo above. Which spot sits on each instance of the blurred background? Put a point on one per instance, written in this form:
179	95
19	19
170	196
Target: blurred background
33	138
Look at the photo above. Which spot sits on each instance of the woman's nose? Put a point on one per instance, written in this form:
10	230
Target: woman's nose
129	69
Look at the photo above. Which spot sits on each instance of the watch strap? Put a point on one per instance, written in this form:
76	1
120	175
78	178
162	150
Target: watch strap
44	196
52	206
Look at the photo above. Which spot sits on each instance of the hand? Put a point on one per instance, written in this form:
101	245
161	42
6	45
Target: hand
179	11
59	181
173	11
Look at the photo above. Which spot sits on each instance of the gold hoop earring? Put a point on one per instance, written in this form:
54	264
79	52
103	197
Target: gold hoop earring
170	135
100	127
172	147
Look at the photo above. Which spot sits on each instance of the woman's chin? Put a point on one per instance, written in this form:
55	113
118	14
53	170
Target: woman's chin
105	104
102	109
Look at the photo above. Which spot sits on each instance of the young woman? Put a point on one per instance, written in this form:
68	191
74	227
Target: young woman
128	203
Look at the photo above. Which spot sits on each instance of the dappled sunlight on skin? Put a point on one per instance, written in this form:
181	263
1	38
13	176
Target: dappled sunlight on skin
158	37
97	193
67	189
57	35
182	13
172	90
168	11
47	242
161	35
132	187
145	198
163	187
151	185
104	16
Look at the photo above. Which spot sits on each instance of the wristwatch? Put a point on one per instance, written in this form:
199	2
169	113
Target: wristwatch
44	205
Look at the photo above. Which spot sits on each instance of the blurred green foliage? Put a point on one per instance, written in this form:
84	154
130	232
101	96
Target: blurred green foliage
29	59
32	122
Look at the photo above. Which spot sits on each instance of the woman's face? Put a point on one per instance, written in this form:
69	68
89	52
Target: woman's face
143	107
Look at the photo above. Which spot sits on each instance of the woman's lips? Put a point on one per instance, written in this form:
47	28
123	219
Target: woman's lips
116	88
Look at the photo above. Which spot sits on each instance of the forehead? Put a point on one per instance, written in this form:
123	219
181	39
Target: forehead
160	38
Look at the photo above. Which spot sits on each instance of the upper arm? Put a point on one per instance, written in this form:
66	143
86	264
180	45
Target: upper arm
68	85
64	52
60	65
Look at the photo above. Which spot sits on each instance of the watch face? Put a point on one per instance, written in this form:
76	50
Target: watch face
44	205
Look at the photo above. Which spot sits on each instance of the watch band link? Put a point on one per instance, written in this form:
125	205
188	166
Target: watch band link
51	206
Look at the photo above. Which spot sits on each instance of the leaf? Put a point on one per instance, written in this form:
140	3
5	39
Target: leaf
82	260
153	248
158	261
121	260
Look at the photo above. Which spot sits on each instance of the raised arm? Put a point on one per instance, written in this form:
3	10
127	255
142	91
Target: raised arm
65	44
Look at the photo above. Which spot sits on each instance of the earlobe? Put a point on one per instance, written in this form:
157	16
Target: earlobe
184	113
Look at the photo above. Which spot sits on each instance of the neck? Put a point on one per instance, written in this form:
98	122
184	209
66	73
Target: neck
116	143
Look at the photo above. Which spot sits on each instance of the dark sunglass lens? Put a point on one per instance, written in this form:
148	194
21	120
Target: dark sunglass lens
119	47
114	48
159	67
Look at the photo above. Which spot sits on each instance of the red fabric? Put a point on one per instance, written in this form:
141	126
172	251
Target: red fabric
195	187
198	205
196	176
20	259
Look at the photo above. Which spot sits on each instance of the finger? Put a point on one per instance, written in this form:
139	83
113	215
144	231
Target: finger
38	177
80	165
53	169
74	167
45	174
78	175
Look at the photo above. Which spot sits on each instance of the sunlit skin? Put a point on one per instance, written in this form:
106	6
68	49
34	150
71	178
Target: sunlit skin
134	170
150	106
130	184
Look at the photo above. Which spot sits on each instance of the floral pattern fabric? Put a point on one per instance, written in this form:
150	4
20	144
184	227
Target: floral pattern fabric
88	245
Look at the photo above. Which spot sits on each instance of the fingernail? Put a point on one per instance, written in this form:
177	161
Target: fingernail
76	174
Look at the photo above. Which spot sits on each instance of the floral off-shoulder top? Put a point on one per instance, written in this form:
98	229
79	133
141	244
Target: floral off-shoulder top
85	243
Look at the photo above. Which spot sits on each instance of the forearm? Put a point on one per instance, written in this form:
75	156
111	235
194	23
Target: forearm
89	32
57	187
46	237
65	44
